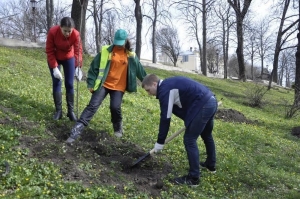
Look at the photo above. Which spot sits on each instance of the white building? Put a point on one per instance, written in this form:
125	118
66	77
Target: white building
188	60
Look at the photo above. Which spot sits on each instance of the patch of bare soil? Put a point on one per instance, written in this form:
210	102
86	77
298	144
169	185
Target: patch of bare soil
296	131
231	115
98	158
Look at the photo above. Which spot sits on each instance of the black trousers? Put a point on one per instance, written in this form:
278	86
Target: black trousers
97	98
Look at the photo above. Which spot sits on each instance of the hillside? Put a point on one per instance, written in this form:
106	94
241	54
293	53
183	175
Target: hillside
257	155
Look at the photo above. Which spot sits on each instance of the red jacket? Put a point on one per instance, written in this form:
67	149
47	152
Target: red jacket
59	47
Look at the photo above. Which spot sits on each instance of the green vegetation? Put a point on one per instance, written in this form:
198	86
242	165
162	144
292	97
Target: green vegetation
259	160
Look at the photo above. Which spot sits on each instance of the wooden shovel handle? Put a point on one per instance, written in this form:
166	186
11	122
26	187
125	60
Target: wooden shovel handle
174	135
170	138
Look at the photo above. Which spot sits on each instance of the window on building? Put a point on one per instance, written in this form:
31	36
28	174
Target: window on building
185	58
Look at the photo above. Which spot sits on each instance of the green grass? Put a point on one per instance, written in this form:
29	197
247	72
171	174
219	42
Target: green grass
253	160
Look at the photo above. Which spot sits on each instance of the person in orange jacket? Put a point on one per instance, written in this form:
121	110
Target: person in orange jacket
113	71
64	48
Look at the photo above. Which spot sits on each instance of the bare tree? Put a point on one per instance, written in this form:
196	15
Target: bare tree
17	20
78	13
109	26
240	12
97	13
139	24
194	13
49	13
224	14
191	16
297	78
251	49
285	31
286	67
233	69
211	58
168	42
157	14
100	10
264	39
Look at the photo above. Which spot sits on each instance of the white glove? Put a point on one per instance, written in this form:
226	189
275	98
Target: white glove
78	73
158	147
57	73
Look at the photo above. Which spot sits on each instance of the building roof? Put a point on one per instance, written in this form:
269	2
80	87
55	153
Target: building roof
186	53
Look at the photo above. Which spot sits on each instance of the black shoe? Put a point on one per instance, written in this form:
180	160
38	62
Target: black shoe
118	129
187	180
211	169
70	103
58	105
75	133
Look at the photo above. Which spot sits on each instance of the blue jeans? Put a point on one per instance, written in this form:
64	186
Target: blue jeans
69	72
202	125
97	98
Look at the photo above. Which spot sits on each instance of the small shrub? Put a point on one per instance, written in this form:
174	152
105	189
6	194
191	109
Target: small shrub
255	95
291	110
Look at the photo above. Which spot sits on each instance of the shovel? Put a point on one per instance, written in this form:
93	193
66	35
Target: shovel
152	151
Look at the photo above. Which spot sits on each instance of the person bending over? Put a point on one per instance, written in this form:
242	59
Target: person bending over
196	105
63	47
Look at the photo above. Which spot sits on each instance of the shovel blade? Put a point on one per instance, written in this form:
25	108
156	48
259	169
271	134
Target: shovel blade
140	159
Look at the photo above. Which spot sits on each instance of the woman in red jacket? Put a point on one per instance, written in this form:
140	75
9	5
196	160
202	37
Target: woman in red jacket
63	47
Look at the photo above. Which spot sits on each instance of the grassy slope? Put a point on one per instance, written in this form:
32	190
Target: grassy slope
254	161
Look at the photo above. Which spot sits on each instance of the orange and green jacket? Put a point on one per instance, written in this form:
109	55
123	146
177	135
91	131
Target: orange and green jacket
100	67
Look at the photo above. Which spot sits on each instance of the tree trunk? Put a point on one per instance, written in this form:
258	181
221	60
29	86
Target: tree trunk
240	50
262	66
139	24
204	58
297	77
153	32
78	14
226	47
98	23
50	11
240	14
274	75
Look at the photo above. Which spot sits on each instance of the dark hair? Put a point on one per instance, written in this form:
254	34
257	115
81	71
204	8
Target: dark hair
128	45
67	22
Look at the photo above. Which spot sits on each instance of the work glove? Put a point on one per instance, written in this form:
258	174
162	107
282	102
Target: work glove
158	147
91	90
78	73
57	73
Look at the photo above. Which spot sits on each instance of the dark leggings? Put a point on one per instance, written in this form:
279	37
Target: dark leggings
95	102
69	71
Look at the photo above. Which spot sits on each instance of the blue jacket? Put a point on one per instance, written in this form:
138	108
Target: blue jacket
181	96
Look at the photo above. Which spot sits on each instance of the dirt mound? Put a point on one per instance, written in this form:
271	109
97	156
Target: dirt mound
230	115
98	158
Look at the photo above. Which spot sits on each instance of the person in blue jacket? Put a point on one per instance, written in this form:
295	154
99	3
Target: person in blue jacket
196	105
113	71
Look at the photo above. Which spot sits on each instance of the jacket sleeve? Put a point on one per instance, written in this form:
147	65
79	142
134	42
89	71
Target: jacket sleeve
140	71
165	120
78	50
50	50
93	71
